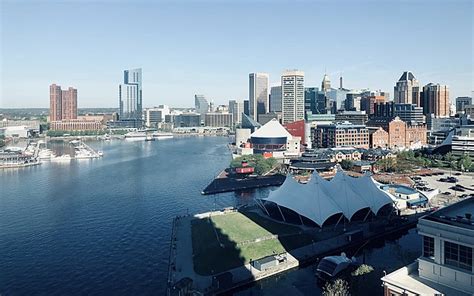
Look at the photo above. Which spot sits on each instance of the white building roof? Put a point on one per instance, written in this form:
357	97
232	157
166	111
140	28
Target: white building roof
320	199
272	129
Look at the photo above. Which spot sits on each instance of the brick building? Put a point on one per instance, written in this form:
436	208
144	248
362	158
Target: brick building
397	134
341	135
76	125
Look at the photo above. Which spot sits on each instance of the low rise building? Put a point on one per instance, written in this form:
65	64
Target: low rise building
445	266
354	117
341	134
76	125
218	119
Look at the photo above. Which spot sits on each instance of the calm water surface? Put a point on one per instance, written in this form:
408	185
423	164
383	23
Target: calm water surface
102	226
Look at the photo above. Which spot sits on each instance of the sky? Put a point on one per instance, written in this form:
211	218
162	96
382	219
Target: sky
210	47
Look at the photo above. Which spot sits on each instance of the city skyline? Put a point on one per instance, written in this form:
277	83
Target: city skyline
219	66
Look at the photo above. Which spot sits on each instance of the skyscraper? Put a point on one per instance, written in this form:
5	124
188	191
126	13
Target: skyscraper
326	83
407	90
258	94
292	89
55	102
200	104
130	95
275	99
236	108
436	100
62	103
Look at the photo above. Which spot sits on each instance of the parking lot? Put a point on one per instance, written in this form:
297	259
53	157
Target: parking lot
447	194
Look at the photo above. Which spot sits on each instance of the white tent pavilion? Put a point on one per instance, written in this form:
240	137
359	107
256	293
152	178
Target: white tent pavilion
319	199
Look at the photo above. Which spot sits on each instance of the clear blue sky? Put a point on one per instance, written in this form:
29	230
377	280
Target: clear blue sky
209	47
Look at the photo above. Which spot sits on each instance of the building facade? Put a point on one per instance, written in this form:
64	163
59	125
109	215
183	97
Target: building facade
130	95
258	94
62	103
445	266
236	109
462	102
436	100
153	116
354	117
293	105
407	90
218	120
201	105
275	99
340	135
76	125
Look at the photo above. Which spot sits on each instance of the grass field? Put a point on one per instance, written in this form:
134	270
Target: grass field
222	242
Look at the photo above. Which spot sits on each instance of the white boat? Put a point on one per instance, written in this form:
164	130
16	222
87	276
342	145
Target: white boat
162	136
149	138
45	154
100	153
135	136
332	266
62	158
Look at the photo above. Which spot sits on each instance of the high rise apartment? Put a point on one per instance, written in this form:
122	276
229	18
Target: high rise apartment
62	103
130	95
292	89
436	100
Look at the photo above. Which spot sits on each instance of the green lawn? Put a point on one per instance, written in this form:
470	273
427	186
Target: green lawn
211	257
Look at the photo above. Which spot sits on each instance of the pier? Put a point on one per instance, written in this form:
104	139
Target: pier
303	247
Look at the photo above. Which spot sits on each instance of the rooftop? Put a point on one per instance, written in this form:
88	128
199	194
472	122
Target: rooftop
455	214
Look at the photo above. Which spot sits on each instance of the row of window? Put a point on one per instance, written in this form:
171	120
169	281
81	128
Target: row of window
454	254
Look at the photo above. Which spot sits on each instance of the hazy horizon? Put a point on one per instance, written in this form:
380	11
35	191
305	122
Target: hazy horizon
210	47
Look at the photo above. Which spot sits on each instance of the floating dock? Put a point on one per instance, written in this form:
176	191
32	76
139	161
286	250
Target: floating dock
227	184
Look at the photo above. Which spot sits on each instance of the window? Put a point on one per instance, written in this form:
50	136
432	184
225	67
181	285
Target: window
428	247
457	255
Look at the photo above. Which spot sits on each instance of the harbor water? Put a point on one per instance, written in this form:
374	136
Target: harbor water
102	226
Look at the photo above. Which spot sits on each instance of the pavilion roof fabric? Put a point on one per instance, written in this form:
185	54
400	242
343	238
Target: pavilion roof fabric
320	199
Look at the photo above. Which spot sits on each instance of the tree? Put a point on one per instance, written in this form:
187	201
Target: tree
347	164
261	165
449	157
465	163
338	288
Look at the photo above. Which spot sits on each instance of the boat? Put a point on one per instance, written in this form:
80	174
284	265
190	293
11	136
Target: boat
331	267
162	136
62	158
45	154
149	138
135	136
100	153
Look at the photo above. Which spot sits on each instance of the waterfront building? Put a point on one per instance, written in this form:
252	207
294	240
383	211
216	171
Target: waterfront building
407	90
459	141
130	95
76	125
436	100
273	140
341	134
153	116
20	131
293	105
201	105
378	137
236	108
445	265
258	94
31	124
275	99
187	120
462	102
63	103
354	117
218	119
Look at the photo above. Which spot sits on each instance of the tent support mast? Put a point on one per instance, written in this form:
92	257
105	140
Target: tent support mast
281	213
301	219
261	205
366	216
342	215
